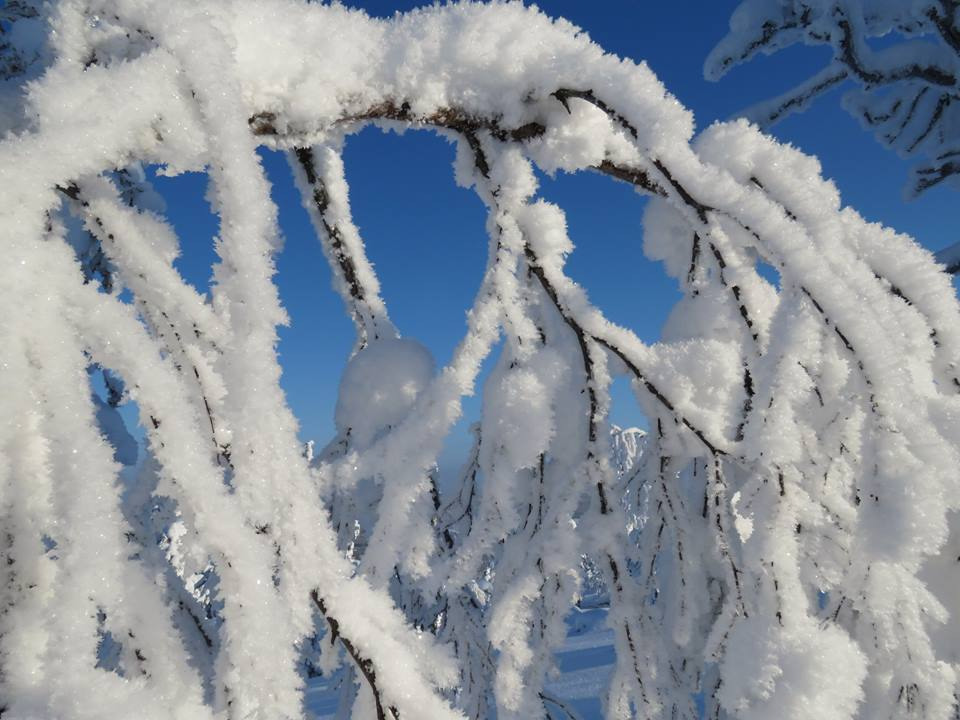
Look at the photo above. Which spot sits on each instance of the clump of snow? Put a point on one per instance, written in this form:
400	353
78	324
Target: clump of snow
791	672
519	408
379	386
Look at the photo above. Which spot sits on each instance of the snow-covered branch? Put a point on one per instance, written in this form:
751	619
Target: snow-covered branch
907	91
770	552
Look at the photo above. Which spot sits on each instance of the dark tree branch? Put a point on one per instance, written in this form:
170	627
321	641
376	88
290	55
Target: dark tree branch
265	124
942	103
910	78
624	355
341	260
849	55
942	21
363	664
930	176
322	201
769	32
565	708
799	97
700	209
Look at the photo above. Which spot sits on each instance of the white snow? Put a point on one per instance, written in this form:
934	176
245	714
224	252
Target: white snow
772	551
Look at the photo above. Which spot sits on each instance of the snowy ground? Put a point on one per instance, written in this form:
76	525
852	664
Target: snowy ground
585	664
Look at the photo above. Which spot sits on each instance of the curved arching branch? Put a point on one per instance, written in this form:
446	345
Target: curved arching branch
264	124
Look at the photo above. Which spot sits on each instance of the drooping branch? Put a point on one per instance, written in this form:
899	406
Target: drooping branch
624	354
798	98
853	57
324	185
702	212
363	664
932	314
149	291
907	91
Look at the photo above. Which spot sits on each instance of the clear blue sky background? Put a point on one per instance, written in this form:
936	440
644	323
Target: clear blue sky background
426	235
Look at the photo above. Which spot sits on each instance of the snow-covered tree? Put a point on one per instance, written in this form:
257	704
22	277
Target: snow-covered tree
785	546
903	57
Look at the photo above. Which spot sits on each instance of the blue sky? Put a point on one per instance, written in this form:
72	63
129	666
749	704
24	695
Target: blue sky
426	236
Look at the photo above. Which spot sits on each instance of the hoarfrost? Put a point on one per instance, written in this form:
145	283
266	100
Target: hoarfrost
822	410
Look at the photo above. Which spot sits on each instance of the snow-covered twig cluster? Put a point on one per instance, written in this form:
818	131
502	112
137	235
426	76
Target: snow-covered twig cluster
907	93
784	548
